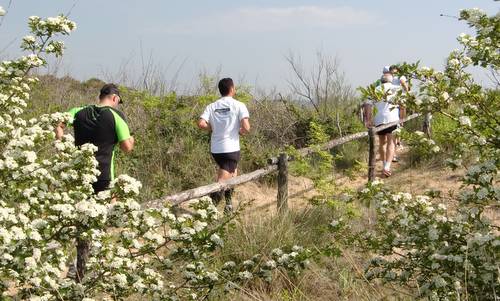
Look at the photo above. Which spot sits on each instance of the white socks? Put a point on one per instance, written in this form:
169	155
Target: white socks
387	165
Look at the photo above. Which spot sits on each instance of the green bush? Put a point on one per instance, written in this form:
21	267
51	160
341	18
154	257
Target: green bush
171	153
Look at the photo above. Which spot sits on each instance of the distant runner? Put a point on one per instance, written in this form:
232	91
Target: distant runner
386	113
226	119
399	81
105	127
385	71
367	105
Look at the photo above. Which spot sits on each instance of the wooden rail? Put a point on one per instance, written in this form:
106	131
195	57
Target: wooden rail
279	164
198	192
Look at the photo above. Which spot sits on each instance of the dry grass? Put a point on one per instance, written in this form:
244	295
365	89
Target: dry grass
261	229
328	278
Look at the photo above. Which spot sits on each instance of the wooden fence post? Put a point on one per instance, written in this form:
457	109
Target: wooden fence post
371	155
427	127
283	182
82	256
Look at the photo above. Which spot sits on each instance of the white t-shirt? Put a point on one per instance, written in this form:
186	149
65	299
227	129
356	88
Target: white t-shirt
224	117
397	80
386	111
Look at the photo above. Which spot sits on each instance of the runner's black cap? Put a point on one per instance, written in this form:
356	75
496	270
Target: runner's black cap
109	89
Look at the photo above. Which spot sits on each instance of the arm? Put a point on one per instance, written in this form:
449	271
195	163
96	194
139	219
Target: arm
244	116
244	126
402	112
127	145
204	120
59	130
404	84
204	125
125	139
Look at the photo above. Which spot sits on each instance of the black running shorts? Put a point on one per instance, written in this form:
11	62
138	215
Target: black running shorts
227	161
101	185
388	130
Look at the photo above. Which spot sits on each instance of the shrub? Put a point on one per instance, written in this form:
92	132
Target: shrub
448	254
47	203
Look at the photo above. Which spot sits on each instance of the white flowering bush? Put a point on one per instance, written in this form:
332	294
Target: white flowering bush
448	254
424	243
47	204
421	146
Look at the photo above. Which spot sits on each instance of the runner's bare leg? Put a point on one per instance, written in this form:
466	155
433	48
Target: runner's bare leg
381	147
223	175
390	148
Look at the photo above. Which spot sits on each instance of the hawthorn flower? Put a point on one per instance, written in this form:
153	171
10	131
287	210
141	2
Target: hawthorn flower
216	239
467	60
445	96
481	141
229	265
439	281
460	91
213	276
245	275
29	39
454	62
334	223
464	120
199	226
120	280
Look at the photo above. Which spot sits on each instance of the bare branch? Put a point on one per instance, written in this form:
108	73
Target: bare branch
324	86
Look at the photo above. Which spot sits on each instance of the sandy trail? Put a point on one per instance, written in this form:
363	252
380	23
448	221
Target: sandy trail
262	196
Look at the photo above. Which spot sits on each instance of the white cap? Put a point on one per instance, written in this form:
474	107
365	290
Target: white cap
386	69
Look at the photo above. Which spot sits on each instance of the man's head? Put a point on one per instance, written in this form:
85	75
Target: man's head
386	78
386	70
394	69
110	95
226	87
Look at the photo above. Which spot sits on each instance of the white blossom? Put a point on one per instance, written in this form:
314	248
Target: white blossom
465	121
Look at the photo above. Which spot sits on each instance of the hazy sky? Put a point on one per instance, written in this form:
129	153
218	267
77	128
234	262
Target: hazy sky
246	39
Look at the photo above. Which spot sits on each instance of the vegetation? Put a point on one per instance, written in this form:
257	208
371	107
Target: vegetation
448	254
342	244
171	153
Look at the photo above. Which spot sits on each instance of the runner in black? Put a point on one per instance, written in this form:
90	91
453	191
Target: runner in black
105	127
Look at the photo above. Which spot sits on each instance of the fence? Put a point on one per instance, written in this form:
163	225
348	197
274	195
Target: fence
279	164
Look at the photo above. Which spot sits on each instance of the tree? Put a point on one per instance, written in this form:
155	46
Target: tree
324	87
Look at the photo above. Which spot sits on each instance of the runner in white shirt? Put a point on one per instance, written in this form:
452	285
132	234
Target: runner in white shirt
387	112
398	80
226	119
403	83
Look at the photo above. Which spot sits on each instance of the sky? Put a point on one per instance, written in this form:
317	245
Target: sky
246	40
